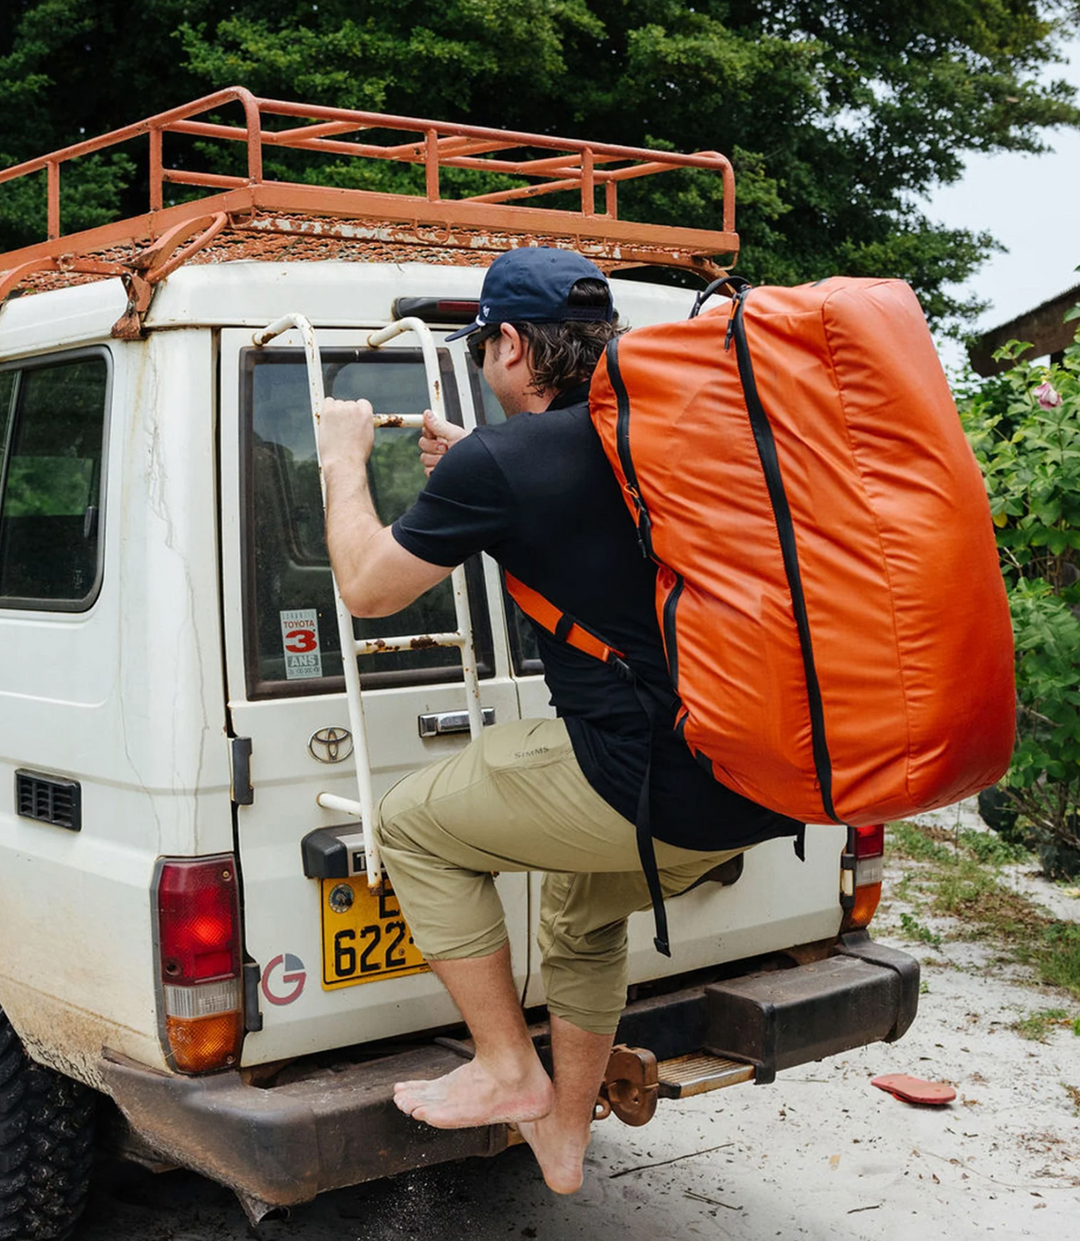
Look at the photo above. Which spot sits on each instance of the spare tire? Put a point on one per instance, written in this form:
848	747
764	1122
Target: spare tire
46	1145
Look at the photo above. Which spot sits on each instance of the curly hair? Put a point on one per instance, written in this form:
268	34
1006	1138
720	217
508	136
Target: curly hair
566	353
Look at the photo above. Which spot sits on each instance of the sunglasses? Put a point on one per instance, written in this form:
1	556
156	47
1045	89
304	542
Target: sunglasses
476	343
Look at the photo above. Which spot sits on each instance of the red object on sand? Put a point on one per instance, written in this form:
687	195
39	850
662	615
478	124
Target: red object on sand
914	1089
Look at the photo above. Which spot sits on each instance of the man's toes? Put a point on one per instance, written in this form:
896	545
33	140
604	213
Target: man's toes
407	1100
412	1086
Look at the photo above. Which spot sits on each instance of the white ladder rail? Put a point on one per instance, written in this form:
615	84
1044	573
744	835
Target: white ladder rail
363	807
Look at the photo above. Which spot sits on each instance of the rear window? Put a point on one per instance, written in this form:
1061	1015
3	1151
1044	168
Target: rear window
52	420
291	635
524	648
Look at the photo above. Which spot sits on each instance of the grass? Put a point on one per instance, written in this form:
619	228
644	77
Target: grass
921	844
956	874
1074	1093
990	849
1036	1026
1059	961
911	928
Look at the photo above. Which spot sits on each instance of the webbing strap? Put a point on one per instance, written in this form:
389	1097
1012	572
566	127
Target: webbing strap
560	624
563	626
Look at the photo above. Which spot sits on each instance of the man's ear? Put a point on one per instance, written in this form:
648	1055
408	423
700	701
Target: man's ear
512	346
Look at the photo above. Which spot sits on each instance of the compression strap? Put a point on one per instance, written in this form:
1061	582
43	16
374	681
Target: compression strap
565	629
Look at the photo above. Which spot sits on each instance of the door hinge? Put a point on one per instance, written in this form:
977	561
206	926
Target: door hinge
253	1020
240	789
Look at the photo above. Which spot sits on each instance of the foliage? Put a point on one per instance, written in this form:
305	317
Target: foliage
838	114
1024	426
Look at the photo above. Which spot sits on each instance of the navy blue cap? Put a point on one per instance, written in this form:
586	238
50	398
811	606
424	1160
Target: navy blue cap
531	285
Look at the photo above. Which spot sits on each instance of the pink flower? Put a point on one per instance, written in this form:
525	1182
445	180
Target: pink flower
1047	395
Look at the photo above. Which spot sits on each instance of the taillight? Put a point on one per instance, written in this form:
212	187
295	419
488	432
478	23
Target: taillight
198	924
864	864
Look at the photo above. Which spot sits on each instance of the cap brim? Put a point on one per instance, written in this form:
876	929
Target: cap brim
475	326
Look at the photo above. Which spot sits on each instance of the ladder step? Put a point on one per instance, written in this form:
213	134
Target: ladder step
698	1073
415	642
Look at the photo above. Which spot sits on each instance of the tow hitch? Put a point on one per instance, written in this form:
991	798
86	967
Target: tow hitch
630	1086
634	1081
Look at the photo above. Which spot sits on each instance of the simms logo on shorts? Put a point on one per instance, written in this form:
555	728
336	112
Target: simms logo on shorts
532	753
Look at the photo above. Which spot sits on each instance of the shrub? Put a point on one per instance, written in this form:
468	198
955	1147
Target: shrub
1024	426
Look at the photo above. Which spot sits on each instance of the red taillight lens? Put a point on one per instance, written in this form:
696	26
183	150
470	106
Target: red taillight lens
870	840
861	880
198	922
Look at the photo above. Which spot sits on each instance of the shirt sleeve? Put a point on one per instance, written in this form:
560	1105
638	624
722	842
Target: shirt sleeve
466	507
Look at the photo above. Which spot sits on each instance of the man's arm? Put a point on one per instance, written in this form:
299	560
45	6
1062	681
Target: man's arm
375	574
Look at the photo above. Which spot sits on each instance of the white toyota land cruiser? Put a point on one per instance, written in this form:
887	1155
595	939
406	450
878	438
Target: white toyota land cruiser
192	958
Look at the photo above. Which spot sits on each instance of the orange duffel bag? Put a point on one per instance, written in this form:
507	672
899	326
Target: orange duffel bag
833	613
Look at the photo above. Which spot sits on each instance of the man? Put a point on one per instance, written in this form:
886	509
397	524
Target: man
555	795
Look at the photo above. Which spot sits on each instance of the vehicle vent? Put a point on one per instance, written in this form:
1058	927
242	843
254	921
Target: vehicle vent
49	799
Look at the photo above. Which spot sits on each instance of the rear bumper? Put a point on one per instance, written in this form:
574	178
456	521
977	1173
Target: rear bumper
284	1144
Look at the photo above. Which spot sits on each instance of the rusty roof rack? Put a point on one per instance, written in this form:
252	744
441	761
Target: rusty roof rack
251	216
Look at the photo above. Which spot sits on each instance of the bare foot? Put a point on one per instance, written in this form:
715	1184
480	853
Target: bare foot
559	1151
473	1095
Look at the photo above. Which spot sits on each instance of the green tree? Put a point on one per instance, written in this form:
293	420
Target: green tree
838	114
1024	426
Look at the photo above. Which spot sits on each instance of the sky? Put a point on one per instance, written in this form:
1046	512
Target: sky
1030	203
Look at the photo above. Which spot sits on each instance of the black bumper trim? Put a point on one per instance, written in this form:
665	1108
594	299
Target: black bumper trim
863	993
859	944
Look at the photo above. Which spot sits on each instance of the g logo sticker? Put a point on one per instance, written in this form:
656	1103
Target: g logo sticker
286	986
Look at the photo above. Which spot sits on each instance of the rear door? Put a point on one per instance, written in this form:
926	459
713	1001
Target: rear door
333	966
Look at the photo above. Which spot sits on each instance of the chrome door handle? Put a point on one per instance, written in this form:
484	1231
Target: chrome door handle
438	723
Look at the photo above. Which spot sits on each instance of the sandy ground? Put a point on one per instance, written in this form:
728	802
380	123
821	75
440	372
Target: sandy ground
819	1154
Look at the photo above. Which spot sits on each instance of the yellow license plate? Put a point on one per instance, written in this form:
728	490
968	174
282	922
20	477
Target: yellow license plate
364	937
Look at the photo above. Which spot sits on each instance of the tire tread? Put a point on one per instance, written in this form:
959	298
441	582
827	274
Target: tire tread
46	1145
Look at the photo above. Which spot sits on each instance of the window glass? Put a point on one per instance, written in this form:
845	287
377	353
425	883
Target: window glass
49	521
291	620
488	410
8	380
524	648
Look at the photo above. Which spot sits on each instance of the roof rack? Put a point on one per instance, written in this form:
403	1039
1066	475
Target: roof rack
255	217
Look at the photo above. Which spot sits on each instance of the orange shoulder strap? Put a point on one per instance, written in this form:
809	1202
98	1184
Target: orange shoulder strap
560	624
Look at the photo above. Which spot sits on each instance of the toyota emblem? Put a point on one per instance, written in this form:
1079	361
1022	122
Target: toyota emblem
330	745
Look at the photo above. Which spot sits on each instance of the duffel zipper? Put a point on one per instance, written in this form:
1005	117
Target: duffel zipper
622	444
785	528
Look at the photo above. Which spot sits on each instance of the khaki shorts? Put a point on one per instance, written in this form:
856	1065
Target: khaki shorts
516	800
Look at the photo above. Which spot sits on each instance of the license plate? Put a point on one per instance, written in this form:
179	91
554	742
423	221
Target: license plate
364	937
